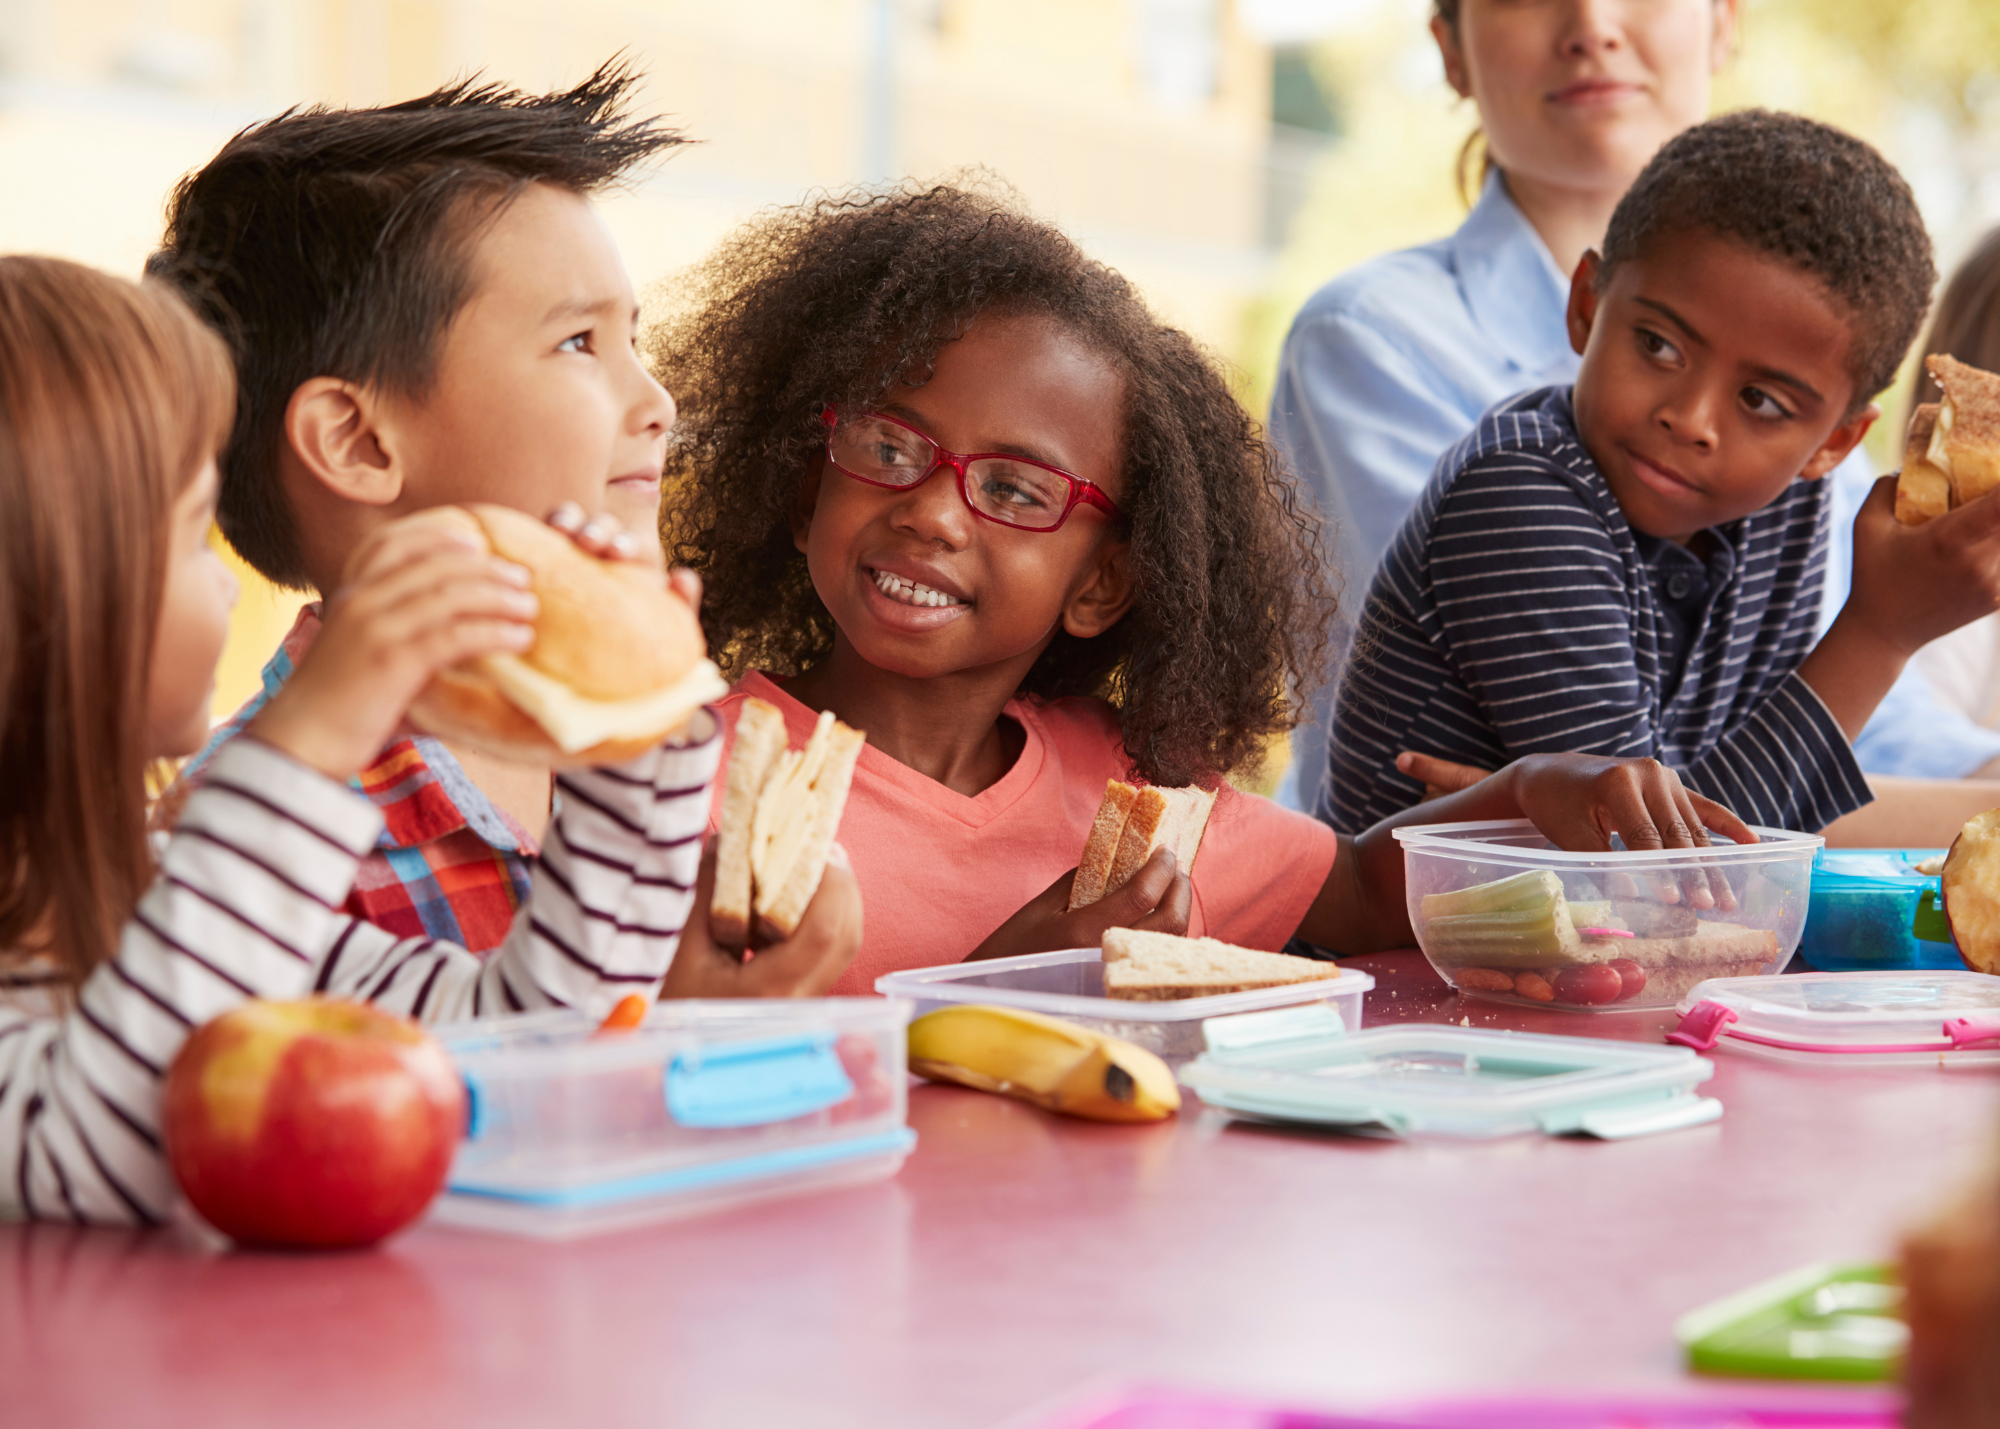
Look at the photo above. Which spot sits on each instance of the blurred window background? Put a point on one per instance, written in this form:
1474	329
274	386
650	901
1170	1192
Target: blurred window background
1228	155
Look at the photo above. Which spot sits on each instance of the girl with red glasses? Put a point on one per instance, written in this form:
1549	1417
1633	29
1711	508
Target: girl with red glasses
947	477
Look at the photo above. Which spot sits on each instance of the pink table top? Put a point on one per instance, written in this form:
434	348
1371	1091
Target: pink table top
1019	1256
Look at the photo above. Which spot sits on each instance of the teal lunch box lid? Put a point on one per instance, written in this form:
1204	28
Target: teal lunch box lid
1418	1079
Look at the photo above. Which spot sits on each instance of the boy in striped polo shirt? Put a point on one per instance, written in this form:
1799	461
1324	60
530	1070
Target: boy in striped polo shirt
1631	566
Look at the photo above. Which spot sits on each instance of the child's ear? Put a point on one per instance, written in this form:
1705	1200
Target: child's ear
804	501
1839	442
1582	312
332	427
1105	595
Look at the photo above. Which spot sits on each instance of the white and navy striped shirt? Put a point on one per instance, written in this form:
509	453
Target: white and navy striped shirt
247	904
1516	614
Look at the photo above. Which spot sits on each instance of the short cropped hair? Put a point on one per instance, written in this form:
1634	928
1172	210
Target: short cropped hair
337	243
1808	195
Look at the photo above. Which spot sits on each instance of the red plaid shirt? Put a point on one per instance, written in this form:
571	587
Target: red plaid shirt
450	863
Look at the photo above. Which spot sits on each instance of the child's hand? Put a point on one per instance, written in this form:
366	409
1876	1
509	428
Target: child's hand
1915	583
1580	800
804	965
419	596
1156	899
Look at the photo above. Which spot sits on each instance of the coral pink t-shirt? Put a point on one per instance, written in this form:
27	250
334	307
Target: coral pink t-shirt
940	871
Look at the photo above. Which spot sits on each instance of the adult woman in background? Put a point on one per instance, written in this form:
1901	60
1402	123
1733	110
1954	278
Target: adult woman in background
1392	362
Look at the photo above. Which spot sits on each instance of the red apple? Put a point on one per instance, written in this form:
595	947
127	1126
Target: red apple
314	1123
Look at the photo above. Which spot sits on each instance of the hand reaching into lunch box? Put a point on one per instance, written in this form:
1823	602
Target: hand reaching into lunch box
1158	899
1578	801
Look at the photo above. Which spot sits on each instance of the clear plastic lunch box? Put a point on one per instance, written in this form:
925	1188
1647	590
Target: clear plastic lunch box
1415	1079
1917	1018
1628	932
572	1130
1871	910
1070	985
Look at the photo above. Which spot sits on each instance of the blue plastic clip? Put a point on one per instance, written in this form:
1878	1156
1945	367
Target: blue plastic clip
755	1083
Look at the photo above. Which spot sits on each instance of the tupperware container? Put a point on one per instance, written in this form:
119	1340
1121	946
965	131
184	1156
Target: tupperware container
1501	913
1918	1018
1071	985
1836	1322
1415	1079
705	1104
1871	910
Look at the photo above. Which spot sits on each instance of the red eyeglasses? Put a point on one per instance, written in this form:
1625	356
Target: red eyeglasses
1009	490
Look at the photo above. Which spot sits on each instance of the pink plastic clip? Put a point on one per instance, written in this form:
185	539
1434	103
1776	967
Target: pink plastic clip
1971	1032
1606	933
1705	1022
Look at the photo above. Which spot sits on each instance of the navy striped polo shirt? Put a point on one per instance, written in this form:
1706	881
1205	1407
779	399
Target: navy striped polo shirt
1517	613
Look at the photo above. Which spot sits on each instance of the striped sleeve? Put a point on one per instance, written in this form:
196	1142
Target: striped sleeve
247	897
1533	611
612	889
1788	765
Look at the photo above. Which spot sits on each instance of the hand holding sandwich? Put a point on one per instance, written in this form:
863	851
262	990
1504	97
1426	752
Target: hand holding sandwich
1892	612
418	597
1157	899
803	965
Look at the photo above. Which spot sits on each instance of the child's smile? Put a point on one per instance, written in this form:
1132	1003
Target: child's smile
1712	377
917	582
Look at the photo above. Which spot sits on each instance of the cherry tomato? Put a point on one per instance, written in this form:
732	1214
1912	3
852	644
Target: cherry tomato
1631	975
1589	986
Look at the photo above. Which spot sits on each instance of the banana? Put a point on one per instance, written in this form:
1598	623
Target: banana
1057	1065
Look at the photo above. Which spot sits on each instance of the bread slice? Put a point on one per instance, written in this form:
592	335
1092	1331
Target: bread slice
760	741
1131	823
1153	821
1965	444
1159	967
794	858
1093	869
1196	806
1922	491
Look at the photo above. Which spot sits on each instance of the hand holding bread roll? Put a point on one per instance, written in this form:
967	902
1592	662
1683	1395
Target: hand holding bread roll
617	665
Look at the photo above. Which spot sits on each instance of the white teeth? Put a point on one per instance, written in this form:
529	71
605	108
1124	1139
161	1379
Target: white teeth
909	592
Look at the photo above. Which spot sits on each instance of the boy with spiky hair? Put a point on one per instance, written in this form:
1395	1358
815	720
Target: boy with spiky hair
425	309
1631	567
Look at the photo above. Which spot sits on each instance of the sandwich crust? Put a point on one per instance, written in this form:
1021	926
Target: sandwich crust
1966	442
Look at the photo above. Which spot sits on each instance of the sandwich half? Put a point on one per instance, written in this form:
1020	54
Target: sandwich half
781	808
1131	822
1159	967
1965	440
1922	491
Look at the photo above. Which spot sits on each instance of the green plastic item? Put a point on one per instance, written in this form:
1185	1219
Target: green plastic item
1841	1322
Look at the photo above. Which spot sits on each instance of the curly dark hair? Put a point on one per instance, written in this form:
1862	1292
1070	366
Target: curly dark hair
1808	195
835	299
338	243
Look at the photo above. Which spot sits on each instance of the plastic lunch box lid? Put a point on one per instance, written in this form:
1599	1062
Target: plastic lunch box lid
1909	1012
1834	1322
1862	869
968	982
1295	1064
1517	841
